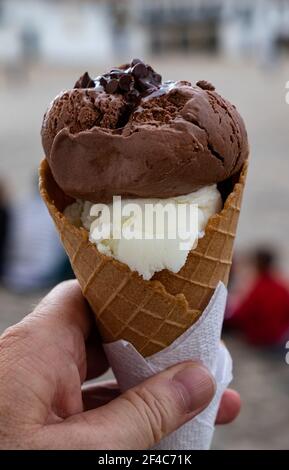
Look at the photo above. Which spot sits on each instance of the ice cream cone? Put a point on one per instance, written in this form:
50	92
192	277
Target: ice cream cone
148	314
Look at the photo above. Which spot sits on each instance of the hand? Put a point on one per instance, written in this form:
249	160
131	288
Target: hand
45	359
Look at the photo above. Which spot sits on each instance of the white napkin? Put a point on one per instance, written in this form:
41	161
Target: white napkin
201	341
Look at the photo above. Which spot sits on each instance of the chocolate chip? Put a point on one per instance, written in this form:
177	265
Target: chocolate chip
157	77
136	61
133	81
78	84
102	82
116	73
111	86
125	82
140	71
205	85
143	85
84	82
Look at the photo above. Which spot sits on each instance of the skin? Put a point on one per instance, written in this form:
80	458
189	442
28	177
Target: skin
46	404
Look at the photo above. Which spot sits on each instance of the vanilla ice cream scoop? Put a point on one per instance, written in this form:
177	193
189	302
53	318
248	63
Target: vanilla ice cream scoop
149	235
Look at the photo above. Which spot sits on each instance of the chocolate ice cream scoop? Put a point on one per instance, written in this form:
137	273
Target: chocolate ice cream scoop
128	133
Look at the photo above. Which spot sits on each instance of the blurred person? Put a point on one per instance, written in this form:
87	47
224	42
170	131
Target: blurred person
242	276
4	225
29	49
30	43
35	258
261	313
119	23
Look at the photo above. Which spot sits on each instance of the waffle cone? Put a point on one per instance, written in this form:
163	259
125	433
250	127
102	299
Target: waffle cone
148	314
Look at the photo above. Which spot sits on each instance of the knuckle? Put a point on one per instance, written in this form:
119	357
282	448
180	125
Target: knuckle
14	334
15	345
151	410
71	286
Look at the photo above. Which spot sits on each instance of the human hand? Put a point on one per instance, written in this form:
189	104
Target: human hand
45	359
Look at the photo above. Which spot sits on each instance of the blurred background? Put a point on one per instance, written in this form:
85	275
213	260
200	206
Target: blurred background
242	47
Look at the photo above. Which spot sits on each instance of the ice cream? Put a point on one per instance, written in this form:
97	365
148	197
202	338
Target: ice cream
149	247
126	133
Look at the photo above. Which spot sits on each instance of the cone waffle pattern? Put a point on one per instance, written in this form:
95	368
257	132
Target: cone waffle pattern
149	314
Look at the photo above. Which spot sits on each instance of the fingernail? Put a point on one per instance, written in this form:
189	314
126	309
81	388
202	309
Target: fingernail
196	386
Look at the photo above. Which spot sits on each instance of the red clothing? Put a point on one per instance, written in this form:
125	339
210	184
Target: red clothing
263	316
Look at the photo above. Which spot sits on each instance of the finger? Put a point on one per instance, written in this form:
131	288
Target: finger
99	394
62	318
64	306
143	415
229	407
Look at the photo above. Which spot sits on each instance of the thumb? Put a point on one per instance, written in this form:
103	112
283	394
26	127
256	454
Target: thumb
160	405
142	416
